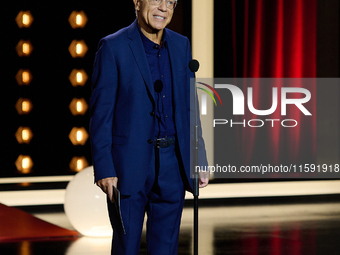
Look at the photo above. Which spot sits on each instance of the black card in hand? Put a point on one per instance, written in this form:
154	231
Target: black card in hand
116	197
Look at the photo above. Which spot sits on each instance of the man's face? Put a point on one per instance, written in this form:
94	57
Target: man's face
153	17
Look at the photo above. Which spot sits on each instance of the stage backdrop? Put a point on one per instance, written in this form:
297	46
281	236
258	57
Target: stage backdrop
275	39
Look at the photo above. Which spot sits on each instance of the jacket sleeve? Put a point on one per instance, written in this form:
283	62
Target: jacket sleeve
102	104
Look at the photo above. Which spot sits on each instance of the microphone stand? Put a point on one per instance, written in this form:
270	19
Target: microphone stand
194	65
196	179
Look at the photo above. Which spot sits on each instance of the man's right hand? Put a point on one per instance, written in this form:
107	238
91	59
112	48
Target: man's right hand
107	186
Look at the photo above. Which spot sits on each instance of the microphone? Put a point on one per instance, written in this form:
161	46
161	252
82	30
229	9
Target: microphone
194	65
158	86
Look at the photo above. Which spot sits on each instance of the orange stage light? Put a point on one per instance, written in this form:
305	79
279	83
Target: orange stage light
77	19
24	19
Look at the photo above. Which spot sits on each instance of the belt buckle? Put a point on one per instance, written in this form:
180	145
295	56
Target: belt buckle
159	140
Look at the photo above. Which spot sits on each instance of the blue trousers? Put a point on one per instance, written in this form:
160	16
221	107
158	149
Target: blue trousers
162	199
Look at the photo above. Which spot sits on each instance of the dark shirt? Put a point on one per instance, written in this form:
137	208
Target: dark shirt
159	64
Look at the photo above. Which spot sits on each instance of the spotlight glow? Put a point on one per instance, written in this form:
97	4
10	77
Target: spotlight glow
24	19
78	106
24	135
78	77
78	48
78	136
24	164
78	163
24	77
24	48
78	19
23	106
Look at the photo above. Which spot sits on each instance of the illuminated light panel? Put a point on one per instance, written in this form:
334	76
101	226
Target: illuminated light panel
24	164
78	48
78	106
24	106
78	77
24	19
24	48
77	19
24	77
78	163
24	135
78	136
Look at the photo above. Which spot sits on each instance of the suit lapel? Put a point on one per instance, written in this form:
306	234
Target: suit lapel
174	63
137	49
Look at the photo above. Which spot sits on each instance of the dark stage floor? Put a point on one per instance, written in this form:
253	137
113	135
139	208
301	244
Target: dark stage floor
297	228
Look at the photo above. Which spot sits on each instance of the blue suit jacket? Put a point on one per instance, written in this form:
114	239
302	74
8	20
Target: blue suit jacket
122	108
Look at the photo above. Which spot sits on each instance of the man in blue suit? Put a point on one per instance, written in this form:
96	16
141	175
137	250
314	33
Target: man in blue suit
140	127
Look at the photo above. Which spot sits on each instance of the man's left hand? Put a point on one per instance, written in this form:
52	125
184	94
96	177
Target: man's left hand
203	179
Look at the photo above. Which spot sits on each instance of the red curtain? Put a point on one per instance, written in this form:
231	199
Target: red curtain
277	39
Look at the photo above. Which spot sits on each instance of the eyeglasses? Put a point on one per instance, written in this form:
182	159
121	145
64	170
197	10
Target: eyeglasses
170	4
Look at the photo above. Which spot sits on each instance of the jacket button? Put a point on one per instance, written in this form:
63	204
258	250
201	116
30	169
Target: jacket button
150	141
152	113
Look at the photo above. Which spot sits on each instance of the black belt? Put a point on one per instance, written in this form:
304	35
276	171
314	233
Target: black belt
162	142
